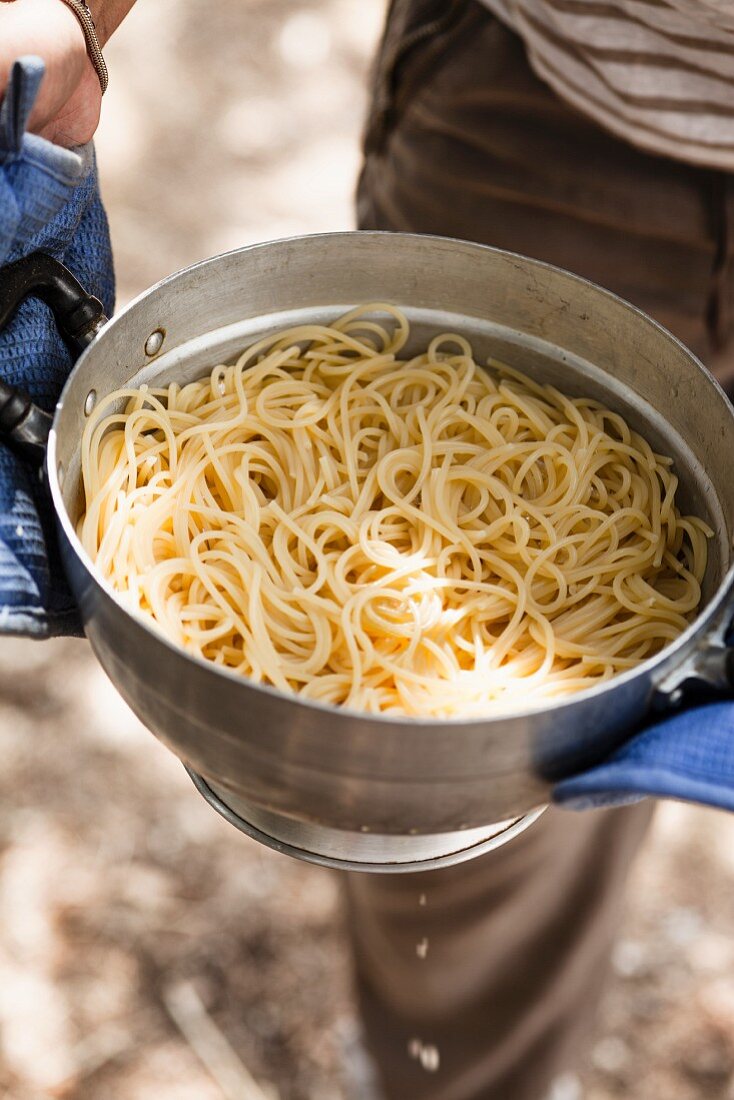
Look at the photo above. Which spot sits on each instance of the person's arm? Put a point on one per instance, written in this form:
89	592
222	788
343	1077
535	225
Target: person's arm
68	105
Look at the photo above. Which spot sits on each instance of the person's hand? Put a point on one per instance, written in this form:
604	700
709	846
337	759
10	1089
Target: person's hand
68	104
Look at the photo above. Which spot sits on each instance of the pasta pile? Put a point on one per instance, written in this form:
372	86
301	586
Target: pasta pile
420	537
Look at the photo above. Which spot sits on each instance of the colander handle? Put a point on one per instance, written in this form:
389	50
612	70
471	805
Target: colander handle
23	424
79	317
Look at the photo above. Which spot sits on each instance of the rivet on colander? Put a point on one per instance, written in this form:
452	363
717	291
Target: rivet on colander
154	343
90	402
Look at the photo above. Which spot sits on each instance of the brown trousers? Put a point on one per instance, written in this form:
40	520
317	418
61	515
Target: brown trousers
464	140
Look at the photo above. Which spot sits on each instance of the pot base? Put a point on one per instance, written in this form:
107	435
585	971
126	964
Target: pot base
363	851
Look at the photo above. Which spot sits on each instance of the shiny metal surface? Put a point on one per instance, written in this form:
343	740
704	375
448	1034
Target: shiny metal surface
311	767
363	851
154	343
86	338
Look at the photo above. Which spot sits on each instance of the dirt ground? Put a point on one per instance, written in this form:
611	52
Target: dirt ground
147	950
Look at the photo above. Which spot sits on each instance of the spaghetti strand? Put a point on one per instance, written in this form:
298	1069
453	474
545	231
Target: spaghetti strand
406	536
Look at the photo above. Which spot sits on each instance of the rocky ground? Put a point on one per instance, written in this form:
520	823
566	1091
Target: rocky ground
147	950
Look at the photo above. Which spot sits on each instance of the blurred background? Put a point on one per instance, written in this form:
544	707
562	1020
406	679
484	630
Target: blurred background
147	949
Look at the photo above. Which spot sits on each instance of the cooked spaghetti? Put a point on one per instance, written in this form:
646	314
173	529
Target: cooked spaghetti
421	537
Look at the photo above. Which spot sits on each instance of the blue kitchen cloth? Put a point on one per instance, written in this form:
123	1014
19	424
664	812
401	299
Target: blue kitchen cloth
689	756
49	201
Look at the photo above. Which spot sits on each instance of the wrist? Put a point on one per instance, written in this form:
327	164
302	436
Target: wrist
107	16
99	17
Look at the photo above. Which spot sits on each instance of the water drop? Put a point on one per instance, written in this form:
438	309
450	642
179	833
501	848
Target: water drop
425	1053
430	1059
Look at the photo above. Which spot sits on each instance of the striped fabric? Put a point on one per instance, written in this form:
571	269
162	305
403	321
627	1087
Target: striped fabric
659	73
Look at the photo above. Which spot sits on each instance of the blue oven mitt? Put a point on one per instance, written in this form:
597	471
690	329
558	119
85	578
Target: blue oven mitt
49	201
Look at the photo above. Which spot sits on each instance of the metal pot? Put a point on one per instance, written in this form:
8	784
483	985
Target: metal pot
332	785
